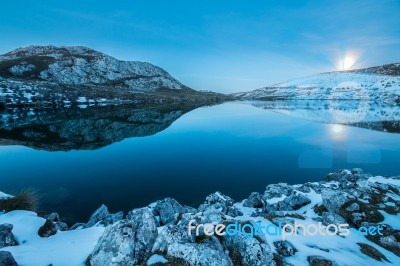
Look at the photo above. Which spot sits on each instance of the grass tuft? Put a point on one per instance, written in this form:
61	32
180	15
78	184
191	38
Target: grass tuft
24	200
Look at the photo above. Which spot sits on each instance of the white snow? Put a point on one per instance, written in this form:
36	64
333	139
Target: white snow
384	180
156	259
64	248
4	196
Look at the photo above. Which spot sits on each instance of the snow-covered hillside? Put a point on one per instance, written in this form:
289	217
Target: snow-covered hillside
372	84
49	76
78	65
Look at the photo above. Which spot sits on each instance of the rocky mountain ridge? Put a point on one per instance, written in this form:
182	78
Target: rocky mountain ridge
75	75
158	234
377	84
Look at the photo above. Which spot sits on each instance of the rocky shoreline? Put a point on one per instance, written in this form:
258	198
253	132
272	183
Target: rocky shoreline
159	233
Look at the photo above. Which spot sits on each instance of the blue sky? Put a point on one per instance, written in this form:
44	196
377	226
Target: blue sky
224	46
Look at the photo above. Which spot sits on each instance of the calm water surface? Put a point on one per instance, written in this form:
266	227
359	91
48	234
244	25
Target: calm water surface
235	148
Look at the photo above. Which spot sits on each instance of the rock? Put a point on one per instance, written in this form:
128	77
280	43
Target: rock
255	200
54	217
253	251
166	210
277	190
333	200
126	242
285	248
218	197
332	218
6	236
319	261
78	226
221	202
371	252
6	259
296	201
233	212
48	229
173	234
103	217
353	207
357	171
389	242
208	253
60	226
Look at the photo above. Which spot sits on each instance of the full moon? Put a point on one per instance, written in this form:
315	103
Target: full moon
348	62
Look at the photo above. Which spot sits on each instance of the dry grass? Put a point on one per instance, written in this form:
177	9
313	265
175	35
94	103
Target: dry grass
24	200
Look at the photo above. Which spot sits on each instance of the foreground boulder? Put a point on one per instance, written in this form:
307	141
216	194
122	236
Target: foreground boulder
251	251
208	253
127	242
103	217
6	259
6	236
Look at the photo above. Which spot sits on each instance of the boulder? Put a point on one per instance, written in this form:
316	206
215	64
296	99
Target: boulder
208	253
277	190
333	200
319	261
332	218
173	234
255	200
297	200
166	210
6	236
47	229
285	248
126	242
253	251
103	217
6	259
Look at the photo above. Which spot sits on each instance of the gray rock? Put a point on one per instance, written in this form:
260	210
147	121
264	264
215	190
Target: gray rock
166	210
357	171
319	261
389	242
126	242
296	201
233	212
47	229
6	236
173	234
6	259
103	217
353	207
208	253
254	251
54	217
333	200
277	190
285	248
255	200
332	218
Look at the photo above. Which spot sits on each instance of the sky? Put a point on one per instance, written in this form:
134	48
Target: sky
224	46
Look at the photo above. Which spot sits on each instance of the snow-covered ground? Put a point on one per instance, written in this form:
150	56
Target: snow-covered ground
384	89
64	248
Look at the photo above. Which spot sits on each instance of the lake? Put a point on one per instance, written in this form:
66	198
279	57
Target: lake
128	158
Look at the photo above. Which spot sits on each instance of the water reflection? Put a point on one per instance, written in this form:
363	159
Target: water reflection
84	129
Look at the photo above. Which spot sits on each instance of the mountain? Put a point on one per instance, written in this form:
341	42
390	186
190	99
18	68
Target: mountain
379	84
76	75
